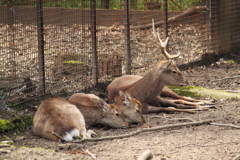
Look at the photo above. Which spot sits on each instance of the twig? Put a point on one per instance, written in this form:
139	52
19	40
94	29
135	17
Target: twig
91	154
174	119
234	91
237	157
55	134
146	155
145	130
4	145
225	78
18	91
226	125
158	117
4	151
175	4
204	145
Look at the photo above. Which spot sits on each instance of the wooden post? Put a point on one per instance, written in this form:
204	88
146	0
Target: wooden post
105	4
165	18
94	42
40	47
127	37
228	24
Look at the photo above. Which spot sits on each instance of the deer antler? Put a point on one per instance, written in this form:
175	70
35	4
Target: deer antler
163	45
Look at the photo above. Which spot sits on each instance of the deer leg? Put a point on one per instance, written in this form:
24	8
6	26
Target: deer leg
186	102
166	92
196	100
197	104
166	103
152	109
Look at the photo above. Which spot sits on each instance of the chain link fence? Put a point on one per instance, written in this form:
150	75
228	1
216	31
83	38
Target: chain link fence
59	47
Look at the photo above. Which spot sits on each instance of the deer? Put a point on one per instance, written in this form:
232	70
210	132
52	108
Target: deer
130	108
147	89
57	115
166	92
96	111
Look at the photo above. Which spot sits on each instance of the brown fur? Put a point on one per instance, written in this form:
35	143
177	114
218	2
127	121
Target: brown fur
147	89
130	108
97	111
59	116
85	99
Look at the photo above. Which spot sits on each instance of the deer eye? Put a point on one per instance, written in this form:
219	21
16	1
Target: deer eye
174	72
136	110
117	114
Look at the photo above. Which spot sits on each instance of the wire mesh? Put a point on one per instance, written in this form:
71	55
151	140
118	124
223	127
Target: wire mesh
62	47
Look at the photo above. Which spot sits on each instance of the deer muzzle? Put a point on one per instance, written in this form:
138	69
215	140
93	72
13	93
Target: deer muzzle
185	82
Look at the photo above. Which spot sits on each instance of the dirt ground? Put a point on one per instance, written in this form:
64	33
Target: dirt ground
182	143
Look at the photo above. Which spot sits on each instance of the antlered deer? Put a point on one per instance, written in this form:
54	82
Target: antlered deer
130	108
96	111
59	116
148	88
165	92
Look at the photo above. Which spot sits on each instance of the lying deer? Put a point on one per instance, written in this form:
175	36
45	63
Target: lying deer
166	92
147	89
130	108
59	116
96	111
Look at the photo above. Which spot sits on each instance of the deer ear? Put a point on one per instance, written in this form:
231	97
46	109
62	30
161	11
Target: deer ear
103	106
94	101
162	68
126	98
165	65
169	63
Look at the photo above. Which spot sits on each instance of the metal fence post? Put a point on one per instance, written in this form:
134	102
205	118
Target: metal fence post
94	41
165	18
127	37
41	64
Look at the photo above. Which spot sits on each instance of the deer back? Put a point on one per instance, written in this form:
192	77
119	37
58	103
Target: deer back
147	88
130	108
99	112
85	99
59	116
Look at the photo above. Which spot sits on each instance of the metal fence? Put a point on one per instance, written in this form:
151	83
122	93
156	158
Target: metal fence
56	47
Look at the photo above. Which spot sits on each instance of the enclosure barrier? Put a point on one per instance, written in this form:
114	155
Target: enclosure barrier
59	47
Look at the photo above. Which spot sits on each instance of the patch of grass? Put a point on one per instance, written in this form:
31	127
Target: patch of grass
16	124
7	142
231	61
74	62
194	92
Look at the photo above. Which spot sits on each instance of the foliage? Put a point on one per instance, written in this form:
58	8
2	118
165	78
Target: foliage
74	62
179	5
173	5
17	123
231	61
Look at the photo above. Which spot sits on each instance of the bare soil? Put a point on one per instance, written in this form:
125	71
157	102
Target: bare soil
183	143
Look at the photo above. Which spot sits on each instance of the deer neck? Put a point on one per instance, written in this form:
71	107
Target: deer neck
147	88
119	103
91	114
